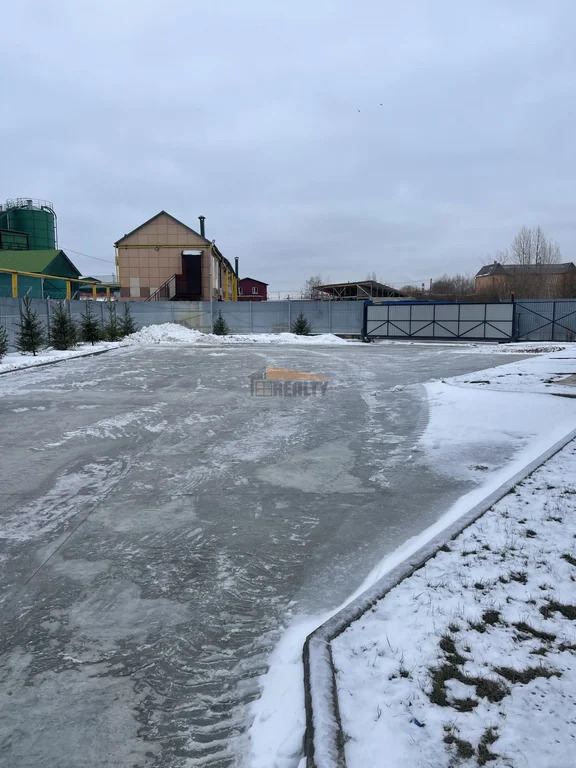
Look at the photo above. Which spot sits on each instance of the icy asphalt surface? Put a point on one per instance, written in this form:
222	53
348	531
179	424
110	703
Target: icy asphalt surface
158	523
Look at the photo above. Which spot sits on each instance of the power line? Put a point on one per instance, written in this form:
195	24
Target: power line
95	258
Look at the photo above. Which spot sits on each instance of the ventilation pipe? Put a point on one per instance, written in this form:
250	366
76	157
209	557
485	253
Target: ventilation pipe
236	266
202	229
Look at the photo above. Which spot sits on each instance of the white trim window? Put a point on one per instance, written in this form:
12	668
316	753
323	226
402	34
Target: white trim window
255	290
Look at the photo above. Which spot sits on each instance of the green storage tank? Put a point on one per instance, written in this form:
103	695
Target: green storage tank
34	217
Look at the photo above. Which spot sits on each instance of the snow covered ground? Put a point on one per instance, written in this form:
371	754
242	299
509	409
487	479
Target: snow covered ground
473	658
173	333
15	361
368	386
501	417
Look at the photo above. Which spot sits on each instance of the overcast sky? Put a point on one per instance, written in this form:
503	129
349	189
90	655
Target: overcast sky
316	136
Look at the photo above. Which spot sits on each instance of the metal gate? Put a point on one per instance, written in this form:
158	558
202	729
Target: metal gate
546	320
439	320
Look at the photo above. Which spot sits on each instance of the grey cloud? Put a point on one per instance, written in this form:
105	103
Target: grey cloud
248	113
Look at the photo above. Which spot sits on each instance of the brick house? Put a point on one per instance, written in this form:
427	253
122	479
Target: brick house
250	289
164	259
527	281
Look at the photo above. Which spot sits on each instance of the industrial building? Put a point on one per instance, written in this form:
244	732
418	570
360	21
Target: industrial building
31	264
164	259
28	225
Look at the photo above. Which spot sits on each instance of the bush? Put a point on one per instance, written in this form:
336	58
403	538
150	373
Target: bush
90	327
3	341
301	326
62	328
127	323
30	330
221	327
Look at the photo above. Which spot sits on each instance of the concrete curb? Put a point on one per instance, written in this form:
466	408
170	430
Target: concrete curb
324	738
61	360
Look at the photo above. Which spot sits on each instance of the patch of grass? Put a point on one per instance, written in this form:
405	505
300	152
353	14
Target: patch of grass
448	645
530	533
464	705
477	626
491	617
467	552
478	585
493	690
464	749
542	651
554	519
520	576
453	627
567	647
440	675
568	611
525	676
445	548
569	558
526	629
489	736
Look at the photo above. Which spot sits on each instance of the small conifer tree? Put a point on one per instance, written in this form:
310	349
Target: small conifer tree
221	327
301	326
112	330
3	341
90	328
127	322
62	328
30	330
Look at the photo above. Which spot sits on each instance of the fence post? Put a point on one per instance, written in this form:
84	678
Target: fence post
251	321
329	316
553	338
289	314
514	318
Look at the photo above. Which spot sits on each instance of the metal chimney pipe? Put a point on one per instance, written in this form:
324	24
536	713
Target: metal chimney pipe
236	265
202	230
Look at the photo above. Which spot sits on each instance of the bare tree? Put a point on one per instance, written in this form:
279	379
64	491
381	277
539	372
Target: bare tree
530	261
372	276
455	285
310	287
531	247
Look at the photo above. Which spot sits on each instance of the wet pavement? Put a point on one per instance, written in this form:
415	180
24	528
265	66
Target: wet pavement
157	524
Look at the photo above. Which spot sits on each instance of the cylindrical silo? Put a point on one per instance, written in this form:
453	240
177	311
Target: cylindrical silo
34	217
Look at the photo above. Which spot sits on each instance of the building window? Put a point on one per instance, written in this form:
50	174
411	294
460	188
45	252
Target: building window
254	289
240	291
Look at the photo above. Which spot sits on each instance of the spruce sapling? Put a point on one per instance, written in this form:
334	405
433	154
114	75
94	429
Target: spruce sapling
30	330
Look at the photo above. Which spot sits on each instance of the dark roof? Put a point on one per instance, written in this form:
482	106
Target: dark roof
253	280
372	284
538	269
165	213
35	261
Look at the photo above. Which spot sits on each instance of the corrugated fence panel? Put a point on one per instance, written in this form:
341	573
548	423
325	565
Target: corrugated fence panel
546	320
242	317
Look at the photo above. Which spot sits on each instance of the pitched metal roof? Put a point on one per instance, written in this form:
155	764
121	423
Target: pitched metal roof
35	261
253	280
534	269
162	213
